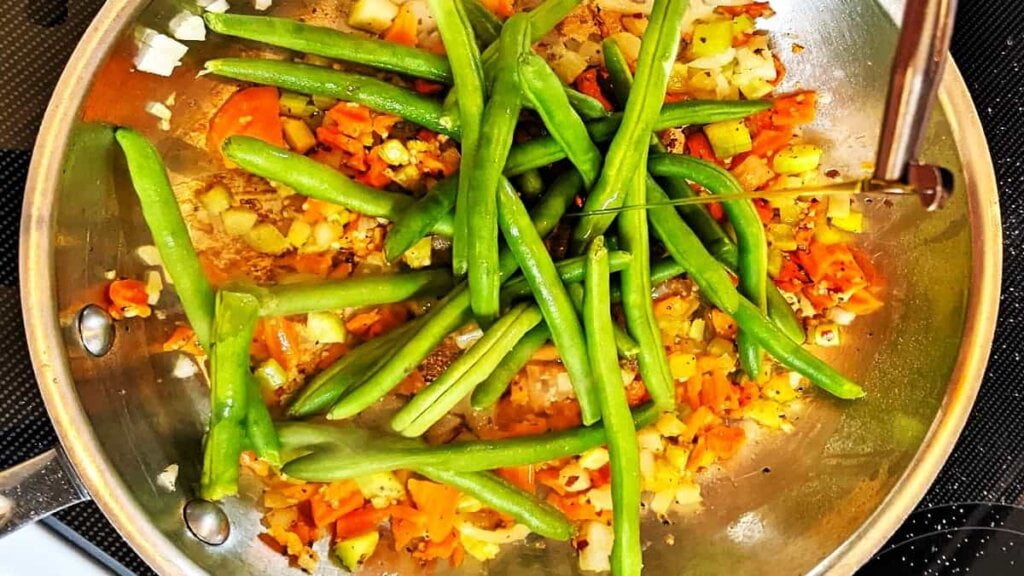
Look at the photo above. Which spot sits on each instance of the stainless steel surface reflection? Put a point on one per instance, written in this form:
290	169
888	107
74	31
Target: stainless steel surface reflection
837	487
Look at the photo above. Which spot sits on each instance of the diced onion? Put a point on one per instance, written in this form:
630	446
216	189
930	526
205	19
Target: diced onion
595	556
262	5
187	26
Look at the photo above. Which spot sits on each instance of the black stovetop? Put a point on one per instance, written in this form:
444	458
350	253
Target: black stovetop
971	520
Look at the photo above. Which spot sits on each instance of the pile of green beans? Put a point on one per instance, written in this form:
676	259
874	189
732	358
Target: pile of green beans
503	276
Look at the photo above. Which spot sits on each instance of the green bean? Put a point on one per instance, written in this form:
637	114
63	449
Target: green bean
464	56
657	53
531	183
587	107
724	250
443	394
163	217
542	88
375	94
499	494
447	316
542	276
316	180
625	346
619	74
490	390
234	323
331	43
624	455
415	222
570	271
636	292
259	427
713	280
746	223
351	369
499	123
353	292
451	312
541	152
553	204
486	26
319	446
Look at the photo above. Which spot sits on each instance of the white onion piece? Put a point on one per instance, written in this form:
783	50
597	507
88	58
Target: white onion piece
713	62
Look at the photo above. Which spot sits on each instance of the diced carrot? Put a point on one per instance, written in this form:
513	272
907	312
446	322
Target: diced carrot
820	297
426	87
458	555
439	503
791	278
834	264
780	70
716	210
522	476
697	145
725	441
404	28
718	393
723	324
128	299
636	393
382	123
407	524
183	338
282	341
501	8
601	476
794	109
272	543
376	175
317	264
330	355
770	141
438	549
692	389
361	521
754	10
251	112
333	137
549	477
862	302
411	384
305	530
575	507
699	420
671	97
698	456
587	83
764	210
334	501
352	119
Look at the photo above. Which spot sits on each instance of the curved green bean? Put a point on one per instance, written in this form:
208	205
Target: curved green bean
543	89
501	114
163	217
443	394
542	276
570	271
624	454
636	296
619	74
331	43
530	183
416	220
746	223
657	52
486	26
353	292
259	427
721	246
490	390
587	107
625	346
687	250
540	152
497	493
316	180
319	445
375	94
234	323
328	386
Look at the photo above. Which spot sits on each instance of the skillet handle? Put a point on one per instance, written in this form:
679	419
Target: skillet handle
37	488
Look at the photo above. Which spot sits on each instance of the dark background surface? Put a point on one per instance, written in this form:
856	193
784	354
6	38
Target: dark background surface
970	521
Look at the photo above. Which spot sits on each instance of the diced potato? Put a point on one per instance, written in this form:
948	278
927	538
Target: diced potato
826	334
372	15
711	38
650	441
418	256
729	138
629	44
670	425
295	105
677	456
394	152
216	200
568	66
298	232
682	366
238	221
797	158
271	375
298	135
326	327
266	238
353	552
852	222
381	489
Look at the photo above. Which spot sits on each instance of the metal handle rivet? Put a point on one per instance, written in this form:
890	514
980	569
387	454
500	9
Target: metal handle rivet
95	330
207	522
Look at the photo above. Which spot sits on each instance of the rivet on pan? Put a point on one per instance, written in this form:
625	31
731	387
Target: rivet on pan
207	522
95	330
